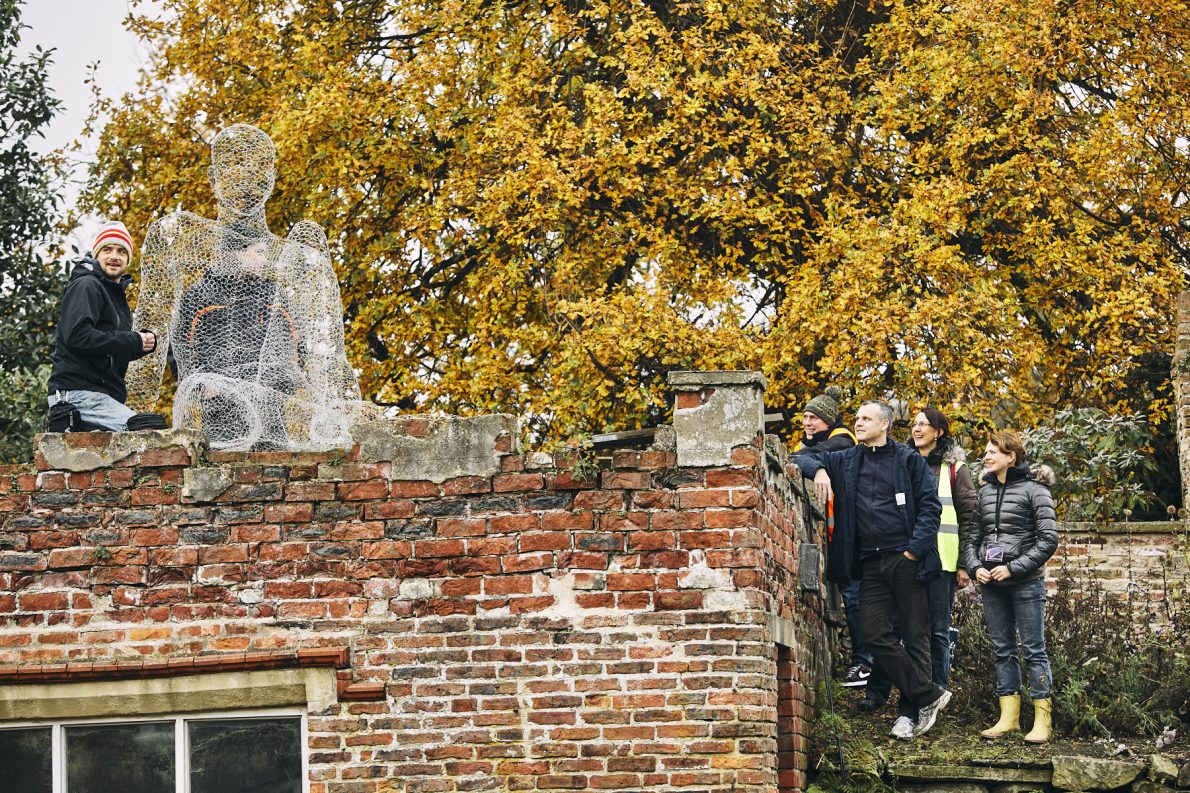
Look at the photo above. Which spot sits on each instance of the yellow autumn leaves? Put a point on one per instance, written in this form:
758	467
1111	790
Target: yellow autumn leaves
542	207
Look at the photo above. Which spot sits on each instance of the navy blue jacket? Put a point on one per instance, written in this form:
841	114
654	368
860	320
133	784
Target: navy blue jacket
921	512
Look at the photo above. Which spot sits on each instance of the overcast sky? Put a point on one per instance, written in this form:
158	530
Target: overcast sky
81	33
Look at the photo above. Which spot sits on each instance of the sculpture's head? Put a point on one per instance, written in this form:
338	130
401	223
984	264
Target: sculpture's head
243	169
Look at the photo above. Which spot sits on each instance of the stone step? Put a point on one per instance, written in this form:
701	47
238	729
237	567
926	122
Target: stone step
968	773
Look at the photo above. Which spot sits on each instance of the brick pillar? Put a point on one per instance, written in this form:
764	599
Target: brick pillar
1181	384
714	413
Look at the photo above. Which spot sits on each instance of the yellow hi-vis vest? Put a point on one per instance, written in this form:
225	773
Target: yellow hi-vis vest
948	530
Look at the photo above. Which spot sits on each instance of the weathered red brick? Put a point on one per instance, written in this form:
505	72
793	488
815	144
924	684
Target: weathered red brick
310	491
466	485
414	489
44	601
544	541
727	518
631	581
387	550
509	483
566	521
678	601
514	524
731	478
360	491
599	500
148	496
452	547
176	456
289	512
626	480
149	537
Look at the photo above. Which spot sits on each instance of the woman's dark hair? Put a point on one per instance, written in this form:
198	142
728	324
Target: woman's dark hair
937	420
1009	442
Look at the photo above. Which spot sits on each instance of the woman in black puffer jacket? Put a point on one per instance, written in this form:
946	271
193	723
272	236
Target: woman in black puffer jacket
1015	533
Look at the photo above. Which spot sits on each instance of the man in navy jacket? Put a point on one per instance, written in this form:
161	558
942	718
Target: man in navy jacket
886	535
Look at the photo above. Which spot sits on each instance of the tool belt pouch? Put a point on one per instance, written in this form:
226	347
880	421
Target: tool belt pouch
63	417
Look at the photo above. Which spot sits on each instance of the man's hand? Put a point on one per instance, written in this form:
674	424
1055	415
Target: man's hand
822	487
964	580
1001	573
911	556
148	341
983	576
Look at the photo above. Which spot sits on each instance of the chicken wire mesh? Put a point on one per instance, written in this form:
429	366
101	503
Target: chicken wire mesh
251	323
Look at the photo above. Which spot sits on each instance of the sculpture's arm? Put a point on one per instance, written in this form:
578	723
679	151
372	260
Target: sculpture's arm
154	311
322	310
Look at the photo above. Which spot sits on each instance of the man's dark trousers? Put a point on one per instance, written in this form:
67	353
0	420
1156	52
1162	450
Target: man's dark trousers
890	596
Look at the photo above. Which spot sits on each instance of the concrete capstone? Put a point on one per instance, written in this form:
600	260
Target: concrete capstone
64	451
445	447
727	412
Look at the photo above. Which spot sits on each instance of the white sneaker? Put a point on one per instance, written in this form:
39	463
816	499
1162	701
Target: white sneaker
928	714
903	728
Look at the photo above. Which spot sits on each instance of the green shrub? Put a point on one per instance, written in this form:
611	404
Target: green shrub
1102	462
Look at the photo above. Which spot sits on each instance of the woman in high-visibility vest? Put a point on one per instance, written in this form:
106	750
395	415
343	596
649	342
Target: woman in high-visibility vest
956	490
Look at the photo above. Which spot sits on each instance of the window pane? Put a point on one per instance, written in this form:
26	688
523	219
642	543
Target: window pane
245	756
120	758
25	761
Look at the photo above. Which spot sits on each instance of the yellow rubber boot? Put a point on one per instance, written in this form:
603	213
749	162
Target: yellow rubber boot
1010	718
1042	721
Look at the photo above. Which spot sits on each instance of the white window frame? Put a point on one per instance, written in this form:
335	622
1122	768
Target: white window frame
181	738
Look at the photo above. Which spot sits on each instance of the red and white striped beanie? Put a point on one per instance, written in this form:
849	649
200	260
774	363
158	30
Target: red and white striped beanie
112	233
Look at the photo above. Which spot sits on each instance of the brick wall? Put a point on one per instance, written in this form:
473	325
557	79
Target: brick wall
1148	562
523	630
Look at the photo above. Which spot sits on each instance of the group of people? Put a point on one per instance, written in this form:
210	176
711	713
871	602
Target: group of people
907	527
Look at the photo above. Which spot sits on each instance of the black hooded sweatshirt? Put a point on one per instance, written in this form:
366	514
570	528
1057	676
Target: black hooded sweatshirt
94	341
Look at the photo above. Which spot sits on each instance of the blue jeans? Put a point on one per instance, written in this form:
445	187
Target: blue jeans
859	651
97	408
1007	611
941	594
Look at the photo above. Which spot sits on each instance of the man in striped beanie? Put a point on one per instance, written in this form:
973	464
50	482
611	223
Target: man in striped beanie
94	341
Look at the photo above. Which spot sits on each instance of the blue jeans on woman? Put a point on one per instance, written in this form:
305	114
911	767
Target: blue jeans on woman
941	593
1008	610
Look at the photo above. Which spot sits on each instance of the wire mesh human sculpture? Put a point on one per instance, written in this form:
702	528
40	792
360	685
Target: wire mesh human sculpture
253	322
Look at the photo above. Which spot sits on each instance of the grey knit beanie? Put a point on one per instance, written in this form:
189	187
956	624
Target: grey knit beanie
826	406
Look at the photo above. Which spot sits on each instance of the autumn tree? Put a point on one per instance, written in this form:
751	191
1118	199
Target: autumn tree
542	207
29	287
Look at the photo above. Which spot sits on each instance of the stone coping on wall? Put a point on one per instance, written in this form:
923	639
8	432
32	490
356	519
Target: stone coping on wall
1137	527
1156	773
429	448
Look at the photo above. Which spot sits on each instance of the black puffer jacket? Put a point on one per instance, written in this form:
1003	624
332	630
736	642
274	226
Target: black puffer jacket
94	340
1017	516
